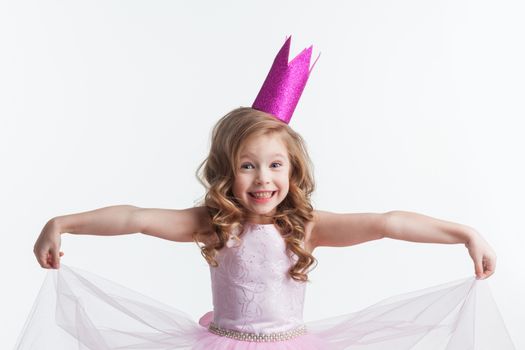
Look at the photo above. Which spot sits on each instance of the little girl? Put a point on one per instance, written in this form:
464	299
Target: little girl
257	230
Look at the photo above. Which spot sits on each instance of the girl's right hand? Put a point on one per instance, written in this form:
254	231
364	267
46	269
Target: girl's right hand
47	246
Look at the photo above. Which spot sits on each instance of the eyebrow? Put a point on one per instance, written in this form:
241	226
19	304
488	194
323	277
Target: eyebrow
273	155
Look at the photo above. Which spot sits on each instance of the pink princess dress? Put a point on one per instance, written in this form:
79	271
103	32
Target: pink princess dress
256	306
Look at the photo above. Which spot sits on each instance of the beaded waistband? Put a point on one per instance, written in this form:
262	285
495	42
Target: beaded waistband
256	337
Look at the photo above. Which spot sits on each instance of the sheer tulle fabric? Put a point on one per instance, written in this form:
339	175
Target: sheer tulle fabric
76	309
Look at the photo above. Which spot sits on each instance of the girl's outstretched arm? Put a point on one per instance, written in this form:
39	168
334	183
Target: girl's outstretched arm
171	224
415	227
340	230
114	220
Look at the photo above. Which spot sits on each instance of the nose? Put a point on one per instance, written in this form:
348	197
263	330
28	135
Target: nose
262	177
261	181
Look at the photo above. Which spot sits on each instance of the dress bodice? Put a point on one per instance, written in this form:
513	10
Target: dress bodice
252	289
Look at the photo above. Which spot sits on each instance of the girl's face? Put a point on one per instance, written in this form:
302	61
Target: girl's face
262	180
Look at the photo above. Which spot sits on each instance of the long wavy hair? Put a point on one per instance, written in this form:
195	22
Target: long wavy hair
217	174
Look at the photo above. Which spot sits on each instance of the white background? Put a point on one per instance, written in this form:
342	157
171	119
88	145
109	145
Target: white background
413	105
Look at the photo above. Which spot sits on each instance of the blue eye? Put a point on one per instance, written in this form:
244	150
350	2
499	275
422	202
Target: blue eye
246	165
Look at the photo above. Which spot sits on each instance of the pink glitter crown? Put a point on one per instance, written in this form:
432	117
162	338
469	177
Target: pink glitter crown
285	83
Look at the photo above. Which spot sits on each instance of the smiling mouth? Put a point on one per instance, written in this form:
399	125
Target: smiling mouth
262	195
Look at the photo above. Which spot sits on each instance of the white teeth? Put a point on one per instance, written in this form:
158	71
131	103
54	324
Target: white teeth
262	194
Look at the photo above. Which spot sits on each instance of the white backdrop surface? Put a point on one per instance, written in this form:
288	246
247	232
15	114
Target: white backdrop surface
412	106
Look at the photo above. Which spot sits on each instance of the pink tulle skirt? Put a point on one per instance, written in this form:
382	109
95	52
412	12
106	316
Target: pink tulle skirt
76	309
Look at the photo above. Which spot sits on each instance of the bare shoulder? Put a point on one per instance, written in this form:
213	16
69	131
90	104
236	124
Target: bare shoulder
344	229
174	224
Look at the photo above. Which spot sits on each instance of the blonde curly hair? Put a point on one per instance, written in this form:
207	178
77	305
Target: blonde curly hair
217	174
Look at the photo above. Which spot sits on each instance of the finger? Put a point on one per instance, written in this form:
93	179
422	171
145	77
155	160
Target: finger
478	268
490	267
42	260
45	261
56	260
49	261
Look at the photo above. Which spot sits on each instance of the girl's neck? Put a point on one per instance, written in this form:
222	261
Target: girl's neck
258	222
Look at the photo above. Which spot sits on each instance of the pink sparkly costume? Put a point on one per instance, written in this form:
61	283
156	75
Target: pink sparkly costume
257	306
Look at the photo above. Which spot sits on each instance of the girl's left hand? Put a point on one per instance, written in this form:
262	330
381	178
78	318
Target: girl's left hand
482	254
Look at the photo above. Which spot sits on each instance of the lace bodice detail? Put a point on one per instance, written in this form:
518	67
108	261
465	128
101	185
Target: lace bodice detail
252	290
